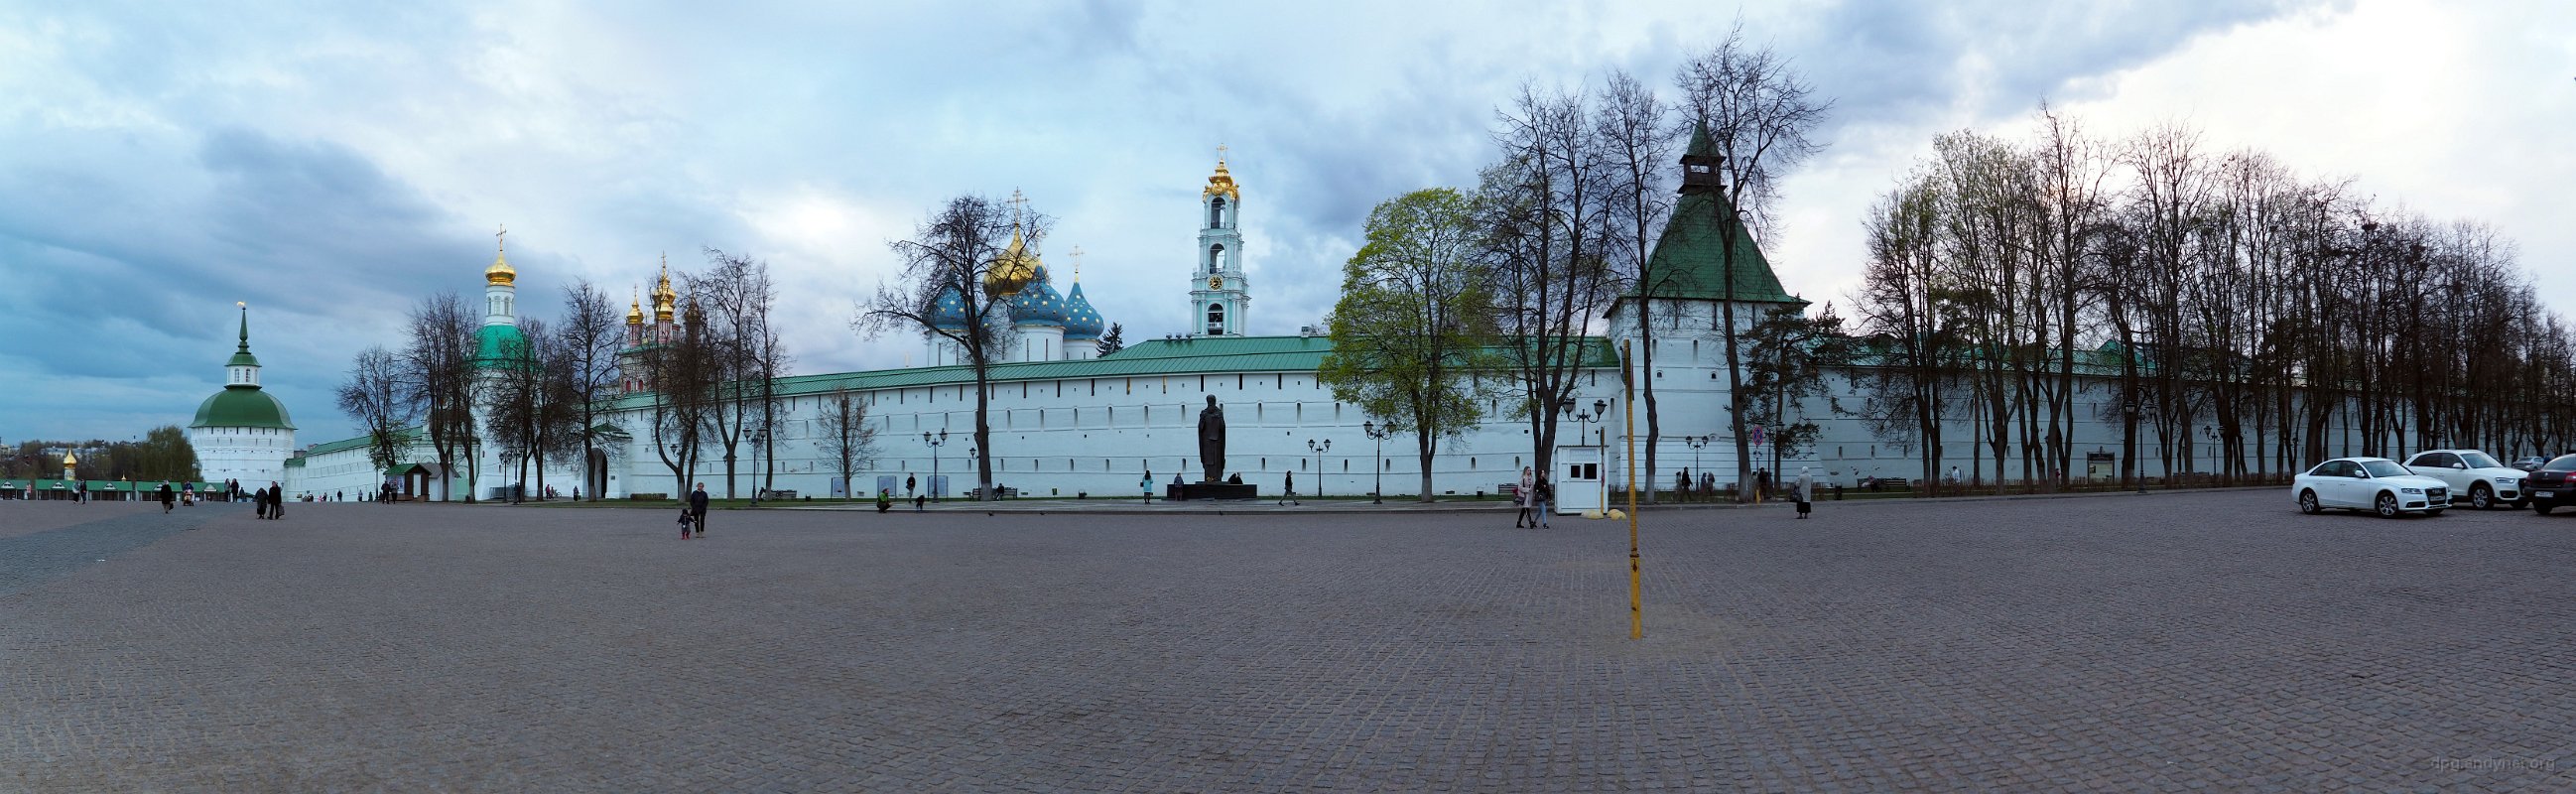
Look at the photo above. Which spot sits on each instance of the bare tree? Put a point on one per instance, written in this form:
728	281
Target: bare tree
1546	224
742	352
590	337
377	395
440	357
844	436
1636	129
950	266
1756	114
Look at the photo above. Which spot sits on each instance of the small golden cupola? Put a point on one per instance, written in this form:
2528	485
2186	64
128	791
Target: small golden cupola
1221	182
635	310
665	299
500	273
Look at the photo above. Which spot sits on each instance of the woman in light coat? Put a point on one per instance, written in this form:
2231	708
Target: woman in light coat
1525	497
1806	490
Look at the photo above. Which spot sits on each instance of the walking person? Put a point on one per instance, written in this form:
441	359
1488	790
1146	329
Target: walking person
909	486
1147	485
1522	495
1805	491
276	501
1546	497
698	509
259	502
165	497
1289	492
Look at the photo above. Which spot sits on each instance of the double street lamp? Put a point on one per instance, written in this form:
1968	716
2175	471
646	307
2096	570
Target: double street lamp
1696	443
935	443
1319	448
1378	433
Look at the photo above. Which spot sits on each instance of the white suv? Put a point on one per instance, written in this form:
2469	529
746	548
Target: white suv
2473	476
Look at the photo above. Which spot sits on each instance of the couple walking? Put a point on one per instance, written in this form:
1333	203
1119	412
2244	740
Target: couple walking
694	516
1534	495
271	501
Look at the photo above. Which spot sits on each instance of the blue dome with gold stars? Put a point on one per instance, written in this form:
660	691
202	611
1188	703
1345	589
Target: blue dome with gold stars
1038	303
1080	320
949	311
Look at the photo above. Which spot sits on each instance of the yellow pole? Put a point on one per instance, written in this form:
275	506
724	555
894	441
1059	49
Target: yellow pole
1636	581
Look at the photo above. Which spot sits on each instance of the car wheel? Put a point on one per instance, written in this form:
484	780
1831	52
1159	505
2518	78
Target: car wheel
2481	498
2308	503
2388	505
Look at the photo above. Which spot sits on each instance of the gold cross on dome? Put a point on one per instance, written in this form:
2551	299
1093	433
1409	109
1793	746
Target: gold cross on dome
1220	152
1076	253
499	239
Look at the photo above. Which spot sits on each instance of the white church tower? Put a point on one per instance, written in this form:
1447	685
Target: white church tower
1219	295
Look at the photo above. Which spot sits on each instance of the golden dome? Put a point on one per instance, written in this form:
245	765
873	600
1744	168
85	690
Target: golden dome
1221	182
663	296
635	311
1012	270
68	460
500	273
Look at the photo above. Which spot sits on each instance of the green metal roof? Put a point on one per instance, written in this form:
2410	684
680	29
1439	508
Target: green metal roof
295	463
336	446
496	344
242	405
1689	260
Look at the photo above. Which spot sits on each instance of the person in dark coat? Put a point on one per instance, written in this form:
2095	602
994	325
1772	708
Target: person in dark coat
166	497
259	502
698	509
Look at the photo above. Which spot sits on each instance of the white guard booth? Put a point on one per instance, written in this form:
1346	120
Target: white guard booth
1579	486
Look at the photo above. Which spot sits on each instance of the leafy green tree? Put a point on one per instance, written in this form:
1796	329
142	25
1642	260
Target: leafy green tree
1414	327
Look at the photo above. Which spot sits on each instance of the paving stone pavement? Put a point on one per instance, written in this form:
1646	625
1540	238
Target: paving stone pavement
2176	642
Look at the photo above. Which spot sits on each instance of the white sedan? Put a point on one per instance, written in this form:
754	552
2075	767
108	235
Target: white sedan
2375	484
2471	474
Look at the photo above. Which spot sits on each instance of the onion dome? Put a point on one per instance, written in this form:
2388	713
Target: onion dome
1221	183
68	460
1081	322
635	312
1014	269
664	298
948	313
500	273
1037	302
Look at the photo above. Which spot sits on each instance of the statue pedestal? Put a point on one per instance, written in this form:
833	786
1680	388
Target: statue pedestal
1210	490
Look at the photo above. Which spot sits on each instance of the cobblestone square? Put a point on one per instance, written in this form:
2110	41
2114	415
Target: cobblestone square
2205	641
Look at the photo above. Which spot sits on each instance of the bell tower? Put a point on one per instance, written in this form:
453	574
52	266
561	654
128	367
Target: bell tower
1219	295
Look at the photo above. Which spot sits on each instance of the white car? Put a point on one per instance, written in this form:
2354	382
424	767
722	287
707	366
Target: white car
2472	474
2375	484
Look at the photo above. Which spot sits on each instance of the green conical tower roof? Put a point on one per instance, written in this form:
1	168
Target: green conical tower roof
241	355
242	405
1689	260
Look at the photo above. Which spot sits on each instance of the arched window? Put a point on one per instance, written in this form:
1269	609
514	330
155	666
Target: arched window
1216	319
1216	213
1216	254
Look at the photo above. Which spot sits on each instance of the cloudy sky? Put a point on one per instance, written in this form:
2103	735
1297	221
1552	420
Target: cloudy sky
331	163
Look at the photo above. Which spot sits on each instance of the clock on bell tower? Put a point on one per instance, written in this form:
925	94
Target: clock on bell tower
1218	309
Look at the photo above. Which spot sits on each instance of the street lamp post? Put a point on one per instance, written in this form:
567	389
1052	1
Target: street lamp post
935	443
759	438
1378	434
1697	443
1319	448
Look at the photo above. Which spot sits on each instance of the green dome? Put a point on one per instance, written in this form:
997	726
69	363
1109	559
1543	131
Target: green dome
242	406
496	344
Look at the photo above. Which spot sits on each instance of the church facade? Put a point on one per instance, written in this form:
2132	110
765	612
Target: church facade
1067	421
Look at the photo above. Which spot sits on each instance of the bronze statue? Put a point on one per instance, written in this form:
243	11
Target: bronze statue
1212	442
